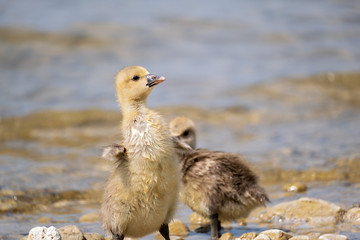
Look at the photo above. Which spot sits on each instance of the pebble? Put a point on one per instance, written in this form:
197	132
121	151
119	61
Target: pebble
311	212
333	237
71	232
276	234
297	187
178	228
196	218
247	236
300	237
353	216
325	223
44	233
93	236
226	236
262	237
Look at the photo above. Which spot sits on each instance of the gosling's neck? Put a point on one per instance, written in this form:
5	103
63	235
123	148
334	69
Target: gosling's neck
132	110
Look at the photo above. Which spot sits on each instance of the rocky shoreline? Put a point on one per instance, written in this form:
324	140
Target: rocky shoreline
301	219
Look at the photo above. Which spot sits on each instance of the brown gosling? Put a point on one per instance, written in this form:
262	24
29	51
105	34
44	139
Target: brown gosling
215	184
184	129
140	195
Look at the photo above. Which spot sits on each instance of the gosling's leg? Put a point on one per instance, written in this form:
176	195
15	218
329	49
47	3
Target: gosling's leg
164	231
214	225
117	236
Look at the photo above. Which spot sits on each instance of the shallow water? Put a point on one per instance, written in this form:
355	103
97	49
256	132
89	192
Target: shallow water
275	81
64	55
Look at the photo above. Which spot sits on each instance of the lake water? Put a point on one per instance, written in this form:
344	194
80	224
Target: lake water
64	54
276	81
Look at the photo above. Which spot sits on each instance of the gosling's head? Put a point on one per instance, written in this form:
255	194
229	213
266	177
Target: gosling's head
134	83
184	129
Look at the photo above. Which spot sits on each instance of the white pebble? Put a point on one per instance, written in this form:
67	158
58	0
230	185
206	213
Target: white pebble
44	233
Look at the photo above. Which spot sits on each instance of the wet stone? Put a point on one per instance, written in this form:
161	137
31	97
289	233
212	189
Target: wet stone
196	218
178	228
353	216
262	237
40	233
247	236
304	213
93	236
300	237
333	237
276	234
297	187
226	236
325	223
313	235
71	232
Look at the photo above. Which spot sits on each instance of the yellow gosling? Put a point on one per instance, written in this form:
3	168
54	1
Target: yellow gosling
140	195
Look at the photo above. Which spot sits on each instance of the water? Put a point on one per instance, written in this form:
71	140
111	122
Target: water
64	55
224	63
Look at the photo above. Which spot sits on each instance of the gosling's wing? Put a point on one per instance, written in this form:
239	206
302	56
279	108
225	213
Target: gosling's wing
230	175
113	152
241	182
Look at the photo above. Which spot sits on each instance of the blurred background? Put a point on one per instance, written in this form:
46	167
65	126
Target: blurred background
277	81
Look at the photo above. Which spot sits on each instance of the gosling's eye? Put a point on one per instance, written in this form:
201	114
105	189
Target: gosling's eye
186	133
135	78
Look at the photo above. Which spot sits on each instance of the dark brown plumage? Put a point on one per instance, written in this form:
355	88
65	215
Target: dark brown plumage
224	178
216	184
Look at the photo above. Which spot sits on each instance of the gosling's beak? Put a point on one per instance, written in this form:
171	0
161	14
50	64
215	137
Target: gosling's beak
153	80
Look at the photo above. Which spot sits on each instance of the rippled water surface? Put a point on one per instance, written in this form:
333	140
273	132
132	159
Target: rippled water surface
277	81
65	54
